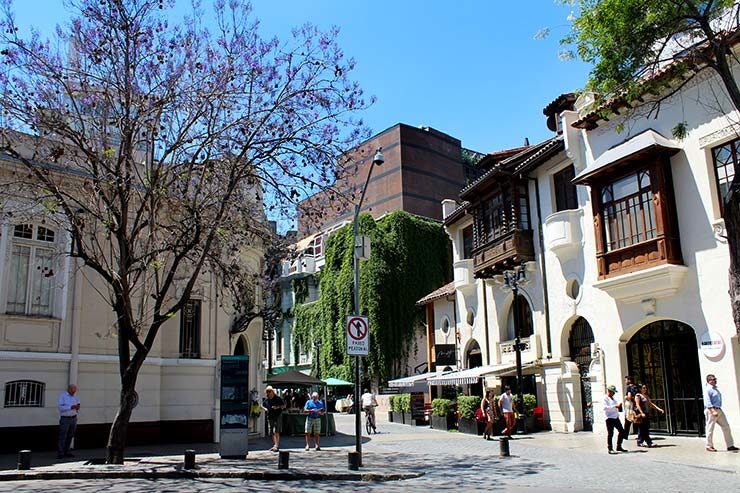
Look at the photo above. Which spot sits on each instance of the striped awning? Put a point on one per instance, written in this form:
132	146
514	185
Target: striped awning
414	379
464	377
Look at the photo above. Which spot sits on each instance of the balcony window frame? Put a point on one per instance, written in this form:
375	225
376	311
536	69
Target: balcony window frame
500	213
564	191
664	247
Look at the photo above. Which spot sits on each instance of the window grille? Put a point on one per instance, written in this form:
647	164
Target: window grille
24	393
190	330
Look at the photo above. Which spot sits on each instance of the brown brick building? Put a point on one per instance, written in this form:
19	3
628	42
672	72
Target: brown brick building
422	167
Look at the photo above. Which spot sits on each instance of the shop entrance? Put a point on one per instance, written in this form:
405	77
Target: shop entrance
579	342
663	355
474	359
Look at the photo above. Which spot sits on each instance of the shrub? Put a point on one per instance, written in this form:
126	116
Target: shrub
467	405
392	403
441	407
404	403
530	401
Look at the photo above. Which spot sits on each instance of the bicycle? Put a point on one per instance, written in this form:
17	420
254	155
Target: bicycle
370	420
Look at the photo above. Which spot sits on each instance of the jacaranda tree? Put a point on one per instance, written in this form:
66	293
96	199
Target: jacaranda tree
155	143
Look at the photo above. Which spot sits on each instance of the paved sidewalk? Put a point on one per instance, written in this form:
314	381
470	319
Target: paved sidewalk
398	452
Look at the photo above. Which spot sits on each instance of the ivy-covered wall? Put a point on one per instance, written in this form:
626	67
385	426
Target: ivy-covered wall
410	258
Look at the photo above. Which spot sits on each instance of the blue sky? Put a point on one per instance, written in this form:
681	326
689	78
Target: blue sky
469	68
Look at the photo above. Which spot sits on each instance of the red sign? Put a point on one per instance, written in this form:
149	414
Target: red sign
358	340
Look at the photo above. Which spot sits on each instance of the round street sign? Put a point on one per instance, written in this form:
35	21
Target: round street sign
358	336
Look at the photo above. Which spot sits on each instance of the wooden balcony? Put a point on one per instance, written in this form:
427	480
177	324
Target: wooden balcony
503	253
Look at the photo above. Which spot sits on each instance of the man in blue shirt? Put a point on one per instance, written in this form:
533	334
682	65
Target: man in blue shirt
68	405
313	409
714	415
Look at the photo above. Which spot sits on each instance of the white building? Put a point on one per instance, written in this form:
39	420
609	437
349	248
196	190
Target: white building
56	329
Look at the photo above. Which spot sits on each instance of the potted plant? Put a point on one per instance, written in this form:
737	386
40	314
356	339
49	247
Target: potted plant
396	408
390	408
466	407
406	408
530	401
442	415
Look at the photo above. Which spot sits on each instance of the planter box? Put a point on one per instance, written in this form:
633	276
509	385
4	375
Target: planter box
531	425
390	416
397	417
470	426
407	419
443	423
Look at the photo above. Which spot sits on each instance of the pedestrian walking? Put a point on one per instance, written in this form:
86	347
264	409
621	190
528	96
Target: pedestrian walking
630	392
69	406
508	408
274	406
644	405
488	406
313	409
715	416
611	411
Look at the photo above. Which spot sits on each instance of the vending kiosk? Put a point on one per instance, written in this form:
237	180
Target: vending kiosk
234	406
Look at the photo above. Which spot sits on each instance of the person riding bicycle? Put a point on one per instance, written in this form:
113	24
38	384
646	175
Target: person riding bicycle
369	404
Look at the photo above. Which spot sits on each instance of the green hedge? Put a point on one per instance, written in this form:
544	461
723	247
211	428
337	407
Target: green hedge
467	405
403	403
392	403
441	407
530	402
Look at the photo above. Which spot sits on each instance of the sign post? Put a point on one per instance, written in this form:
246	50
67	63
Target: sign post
358	336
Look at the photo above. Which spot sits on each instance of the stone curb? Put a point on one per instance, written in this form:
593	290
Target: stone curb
196	474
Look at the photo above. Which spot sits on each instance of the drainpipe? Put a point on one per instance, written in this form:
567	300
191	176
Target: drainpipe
74	362
485	324
543	266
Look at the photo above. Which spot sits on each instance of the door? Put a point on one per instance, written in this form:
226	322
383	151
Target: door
663	355
579	342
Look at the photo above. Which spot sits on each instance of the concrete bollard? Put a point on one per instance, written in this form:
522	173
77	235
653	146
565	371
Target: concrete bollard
189	459
353	461
24	460
504	447
283	460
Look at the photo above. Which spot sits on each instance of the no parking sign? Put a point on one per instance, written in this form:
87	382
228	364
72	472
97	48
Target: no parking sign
358	336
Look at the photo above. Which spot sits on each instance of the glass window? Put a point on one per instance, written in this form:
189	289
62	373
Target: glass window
565	191
30	280
628	211
525	319
467	236
190	330
725	162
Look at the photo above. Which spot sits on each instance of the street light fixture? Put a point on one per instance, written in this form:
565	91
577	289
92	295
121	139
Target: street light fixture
514	278
378	160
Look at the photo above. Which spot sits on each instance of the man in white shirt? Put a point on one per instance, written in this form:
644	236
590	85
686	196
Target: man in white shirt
369	404
611	412
508	407
69	406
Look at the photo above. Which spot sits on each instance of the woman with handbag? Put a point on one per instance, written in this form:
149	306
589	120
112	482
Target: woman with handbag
643	404
487	406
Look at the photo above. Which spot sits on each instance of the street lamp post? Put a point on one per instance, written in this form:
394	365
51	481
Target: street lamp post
512	280
378	159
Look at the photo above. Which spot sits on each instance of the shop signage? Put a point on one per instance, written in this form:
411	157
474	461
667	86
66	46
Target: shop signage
445	354
712	344
235	400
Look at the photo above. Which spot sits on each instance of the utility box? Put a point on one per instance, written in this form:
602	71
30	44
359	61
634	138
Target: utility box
234	406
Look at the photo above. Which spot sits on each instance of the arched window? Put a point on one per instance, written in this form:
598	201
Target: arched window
526	328
24	393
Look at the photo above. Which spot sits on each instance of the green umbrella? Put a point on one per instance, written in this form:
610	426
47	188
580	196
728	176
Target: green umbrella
335	382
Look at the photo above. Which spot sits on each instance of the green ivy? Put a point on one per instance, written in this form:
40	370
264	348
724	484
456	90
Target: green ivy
300	289
410	258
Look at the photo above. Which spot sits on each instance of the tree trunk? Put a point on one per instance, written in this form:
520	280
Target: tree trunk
117	436
732	229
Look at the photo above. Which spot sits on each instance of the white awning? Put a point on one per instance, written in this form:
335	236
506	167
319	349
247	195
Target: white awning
649	139
472	375
414	379
464	377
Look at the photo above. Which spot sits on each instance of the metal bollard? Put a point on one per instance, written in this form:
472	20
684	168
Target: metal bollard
189	459
283	459
24	460
504	447
353	461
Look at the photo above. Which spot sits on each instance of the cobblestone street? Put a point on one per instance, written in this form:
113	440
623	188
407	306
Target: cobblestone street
454	461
